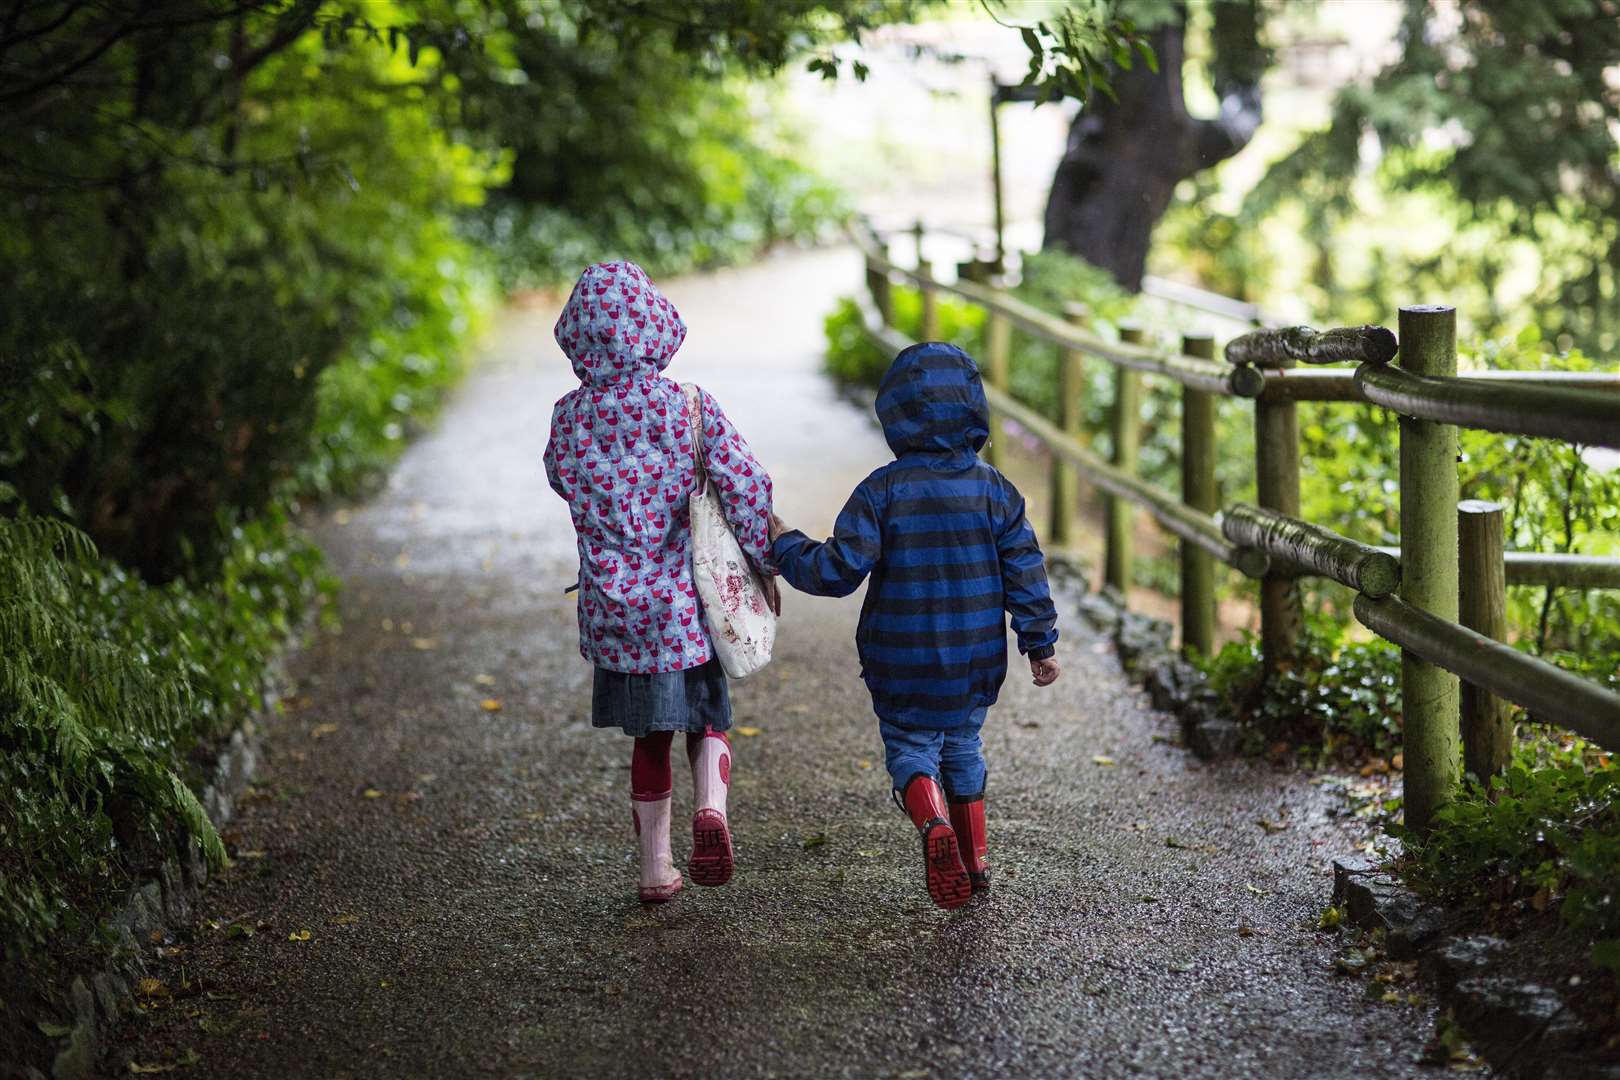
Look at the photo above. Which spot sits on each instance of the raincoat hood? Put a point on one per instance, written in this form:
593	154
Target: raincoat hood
932	402
616	324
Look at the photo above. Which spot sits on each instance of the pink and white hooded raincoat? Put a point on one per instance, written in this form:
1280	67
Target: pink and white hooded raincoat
621	455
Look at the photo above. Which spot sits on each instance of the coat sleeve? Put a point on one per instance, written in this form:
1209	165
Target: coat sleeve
556	471
743	484
1023	577
837	566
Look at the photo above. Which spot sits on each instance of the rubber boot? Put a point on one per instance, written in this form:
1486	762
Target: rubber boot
967	820
660	881
948	883
711	861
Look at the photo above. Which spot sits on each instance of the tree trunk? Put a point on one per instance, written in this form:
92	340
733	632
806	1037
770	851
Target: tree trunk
1125	156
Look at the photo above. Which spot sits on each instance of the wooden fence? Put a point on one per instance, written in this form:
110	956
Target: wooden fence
1440	596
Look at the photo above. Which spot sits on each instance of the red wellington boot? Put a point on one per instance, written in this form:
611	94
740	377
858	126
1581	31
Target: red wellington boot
967	820
947	878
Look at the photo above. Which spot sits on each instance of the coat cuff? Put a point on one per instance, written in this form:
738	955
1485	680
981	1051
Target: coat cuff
1042	652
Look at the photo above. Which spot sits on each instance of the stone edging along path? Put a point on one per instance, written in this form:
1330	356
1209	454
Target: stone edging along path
101	998
1523	1027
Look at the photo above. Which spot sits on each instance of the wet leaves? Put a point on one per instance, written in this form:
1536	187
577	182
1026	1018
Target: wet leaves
1331	918
151	988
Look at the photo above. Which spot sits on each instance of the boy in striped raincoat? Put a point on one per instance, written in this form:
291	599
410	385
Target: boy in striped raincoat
944	538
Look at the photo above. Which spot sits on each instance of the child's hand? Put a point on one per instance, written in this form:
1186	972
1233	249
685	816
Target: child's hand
777	527
1045	671
773	594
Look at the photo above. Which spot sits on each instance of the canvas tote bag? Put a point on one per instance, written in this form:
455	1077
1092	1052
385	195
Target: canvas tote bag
741	625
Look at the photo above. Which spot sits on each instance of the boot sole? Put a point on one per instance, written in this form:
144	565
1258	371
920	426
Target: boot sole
712	860
948	882
660	894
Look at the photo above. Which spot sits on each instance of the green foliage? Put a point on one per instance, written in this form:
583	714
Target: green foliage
1342	697
1547	834
105	685
1495	123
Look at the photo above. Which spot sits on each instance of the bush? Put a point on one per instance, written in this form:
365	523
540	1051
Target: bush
1546	836
1342	697
106	683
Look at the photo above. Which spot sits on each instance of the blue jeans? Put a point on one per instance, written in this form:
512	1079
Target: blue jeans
953	756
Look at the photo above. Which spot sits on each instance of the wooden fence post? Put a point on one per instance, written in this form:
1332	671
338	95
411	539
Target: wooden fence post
919	232
877	283
1487	724
1429	694
998	342
1127	433
1276	462
1198	491
930	304
1071	403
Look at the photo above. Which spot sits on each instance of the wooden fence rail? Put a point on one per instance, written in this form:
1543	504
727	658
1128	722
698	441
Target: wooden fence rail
1271	543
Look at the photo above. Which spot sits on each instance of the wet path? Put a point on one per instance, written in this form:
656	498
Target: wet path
439	816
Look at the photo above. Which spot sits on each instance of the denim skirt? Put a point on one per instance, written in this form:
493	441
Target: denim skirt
689	700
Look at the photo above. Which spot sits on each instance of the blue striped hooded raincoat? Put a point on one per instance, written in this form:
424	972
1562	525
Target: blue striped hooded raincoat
946	543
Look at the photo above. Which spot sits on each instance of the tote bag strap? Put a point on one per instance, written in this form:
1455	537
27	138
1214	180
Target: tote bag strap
694	416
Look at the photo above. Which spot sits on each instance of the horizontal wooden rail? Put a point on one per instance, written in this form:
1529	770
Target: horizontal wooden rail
1211	303
1312	549
1552	695
1534	568
1339	384
1553	412
1188	370
1301	344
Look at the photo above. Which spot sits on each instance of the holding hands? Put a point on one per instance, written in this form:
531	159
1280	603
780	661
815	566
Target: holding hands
1045	671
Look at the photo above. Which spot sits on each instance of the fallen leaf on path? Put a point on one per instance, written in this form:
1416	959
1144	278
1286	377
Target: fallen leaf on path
800	709
321	731
1257	890
345	920
372	793
299	935
491	704
250	854
424	644
342	517
534	815
1182	845
1103	759
151	988
814	841
867	854
1030	724
1272	826
1332	918
53	1031
1181	967
139	1069
484	680
864	764
750	732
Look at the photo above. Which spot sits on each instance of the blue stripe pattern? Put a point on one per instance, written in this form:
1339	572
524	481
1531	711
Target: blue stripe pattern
946	543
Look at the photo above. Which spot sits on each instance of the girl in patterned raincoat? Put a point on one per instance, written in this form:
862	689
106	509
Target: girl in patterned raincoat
621	453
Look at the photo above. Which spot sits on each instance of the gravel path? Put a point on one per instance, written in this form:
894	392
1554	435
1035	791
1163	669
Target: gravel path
465	873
